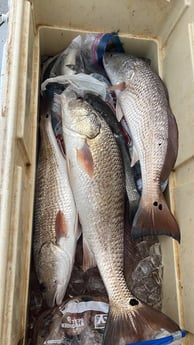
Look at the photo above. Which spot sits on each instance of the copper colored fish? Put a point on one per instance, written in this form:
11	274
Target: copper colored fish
107	113
98	184
55	218
143	100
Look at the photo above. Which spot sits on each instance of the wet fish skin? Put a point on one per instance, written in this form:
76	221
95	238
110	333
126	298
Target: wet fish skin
144	103
108	115
97	181
55	218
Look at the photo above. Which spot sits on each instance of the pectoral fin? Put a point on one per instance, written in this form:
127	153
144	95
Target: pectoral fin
121	86
61	227
85	159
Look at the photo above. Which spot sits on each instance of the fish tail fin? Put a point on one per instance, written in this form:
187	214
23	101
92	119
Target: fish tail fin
153	217
138	323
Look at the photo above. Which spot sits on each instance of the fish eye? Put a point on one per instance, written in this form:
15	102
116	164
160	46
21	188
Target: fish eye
43	287
47	115
73	67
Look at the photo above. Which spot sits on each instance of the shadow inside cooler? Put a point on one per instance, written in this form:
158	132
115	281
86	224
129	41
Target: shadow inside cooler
52	41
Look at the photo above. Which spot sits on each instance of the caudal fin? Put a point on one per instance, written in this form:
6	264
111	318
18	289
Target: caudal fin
153	217
139	323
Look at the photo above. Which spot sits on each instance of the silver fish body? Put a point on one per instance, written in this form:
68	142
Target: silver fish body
55	218
143	100
109	116
97	180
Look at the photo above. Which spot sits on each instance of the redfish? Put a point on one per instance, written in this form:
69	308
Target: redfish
98	184
143	100
55	218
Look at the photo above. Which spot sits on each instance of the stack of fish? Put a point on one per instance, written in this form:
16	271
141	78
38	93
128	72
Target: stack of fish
83	179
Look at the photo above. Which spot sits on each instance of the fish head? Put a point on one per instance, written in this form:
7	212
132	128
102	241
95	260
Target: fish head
79	116
45	125
52	292
121	67
54	272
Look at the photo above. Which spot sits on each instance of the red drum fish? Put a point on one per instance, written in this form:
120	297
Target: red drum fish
55	218
143	101
98	184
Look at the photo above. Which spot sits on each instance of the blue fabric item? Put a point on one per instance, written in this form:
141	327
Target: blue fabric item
104	42
164	340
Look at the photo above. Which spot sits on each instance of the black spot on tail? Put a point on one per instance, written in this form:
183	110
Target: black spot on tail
133	302
153	217
156	204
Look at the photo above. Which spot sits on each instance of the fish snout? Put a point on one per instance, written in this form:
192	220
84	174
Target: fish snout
48	295
54	297
59	294
53	291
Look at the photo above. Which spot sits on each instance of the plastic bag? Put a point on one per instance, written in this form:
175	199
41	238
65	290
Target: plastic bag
80	83
70	61
84	54
78	321
93	47
109	99
164	338
146	278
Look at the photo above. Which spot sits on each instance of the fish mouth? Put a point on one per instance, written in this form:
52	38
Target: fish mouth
59	294
56	297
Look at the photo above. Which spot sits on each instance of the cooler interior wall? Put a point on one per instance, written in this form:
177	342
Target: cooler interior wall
18	151
170	47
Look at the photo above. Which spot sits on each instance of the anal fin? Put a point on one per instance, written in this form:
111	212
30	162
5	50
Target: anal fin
89	260
121	86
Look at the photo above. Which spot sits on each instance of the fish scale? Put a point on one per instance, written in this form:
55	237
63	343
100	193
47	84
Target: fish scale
142	143
55	218
100	192
97	180
143	100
